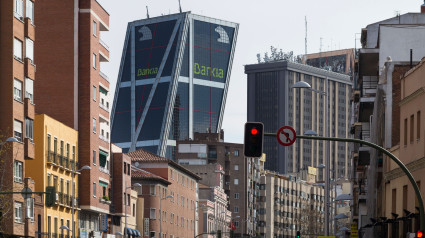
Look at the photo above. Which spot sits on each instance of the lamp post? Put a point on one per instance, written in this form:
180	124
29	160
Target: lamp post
302	84
85	167
10	139
125	199
160	208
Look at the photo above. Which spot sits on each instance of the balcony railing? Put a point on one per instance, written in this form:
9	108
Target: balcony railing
103	44
104	107
103	169
103	75
104	138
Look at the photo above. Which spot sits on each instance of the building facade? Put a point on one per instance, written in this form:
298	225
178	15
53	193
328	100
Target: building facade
17	73
274	102
170	193
173	81
55	158
74	91
385	56
241	175
287	206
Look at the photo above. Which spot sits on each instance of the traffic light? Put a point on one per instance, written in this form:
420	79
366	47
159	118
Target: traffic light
50	196
420	234
218	233
298	234
253	140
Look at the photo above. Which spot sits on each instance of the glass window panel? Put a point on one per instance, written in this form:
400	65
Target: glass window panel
29	89
94	28
17	90
29	49
30	10
19	9
121	130
18	49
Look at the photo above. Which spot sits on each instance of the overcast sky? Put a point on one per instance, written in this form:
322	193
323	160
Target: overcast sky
264	23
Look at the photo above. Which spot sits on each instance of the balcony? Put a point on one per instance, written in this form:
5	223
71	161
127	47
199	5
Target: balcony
104	107
104	76
103	44
102	137
103	170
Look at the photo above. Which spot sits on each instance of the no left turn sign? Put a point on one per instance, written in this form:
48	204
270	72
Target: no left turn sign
286	136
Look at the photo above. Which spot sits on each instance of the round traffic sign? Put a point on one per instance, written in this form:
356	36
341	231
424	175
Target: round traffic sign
26	193
286	136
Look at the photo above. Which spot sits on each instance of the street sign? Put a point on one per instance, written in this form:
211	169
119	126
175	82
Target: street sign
26	193
286	136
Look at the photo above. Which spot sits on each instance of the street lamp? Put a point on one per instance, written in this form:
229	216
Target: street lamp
160	208
125	199
85	167
10	139
302	84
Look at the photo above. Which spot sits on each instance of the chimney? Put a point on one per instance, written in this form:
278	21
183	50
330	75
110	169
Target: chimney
423	7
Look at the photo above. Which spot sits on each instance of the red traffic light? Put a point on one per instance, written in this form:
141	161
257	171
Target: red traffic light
254	131
419	234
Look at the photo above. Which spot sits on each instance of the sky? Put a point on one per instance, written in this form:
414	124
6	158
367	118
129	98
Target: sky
331	25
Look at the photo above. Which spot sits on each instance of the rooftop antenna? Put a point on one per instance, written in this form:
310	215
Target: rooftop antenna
305	35
147	12
180	7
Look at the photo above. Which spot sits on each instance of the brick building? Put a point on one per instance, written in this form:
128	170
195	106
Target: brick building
17	73
170	195
241	175
74	91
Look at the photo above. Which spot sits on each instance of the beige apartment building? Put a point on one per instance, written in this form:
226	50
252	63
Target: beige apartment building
398	195
288	205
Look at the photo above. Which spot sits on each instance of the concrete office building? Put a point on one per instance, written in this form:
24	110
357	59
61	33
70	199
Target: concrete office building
241	175
272	101
17	73
173	81
74	91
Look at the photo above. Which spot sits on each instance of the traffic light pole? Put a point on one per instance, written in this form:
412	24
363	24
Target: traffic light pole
381	149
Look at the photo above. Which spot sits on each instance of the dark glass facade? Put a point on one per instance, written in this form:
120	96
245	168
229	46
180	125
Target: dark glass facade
172	81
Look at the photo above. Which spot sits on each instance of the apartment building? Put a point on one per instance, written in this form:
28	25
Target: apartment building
170	193
17	73
288	205
382	60
213	201
56	157
241	175
74	91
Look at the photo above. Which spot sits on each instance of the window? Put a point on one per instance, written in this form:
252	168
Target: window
134	210
17	90
94	189
18	212
30	10
94	125
94	93
29	128
67	150
405	131
29	49
18	130
236	182
94	157
125	168
236	224
418	125
29	89
17	49
128	169
236	152
236	167
412	119
128	199
152	189
236	209
236	195
30	208
94	61
19	9
94	28
153	213
18	171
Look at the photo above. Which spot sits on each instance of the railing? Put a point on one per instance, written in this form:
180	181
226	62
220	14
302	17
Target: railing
103	169
104	138
103	44
103	75
103	107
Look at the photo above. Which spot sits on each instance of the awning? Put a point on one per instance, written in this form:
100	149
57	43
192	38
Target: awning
101	183
137	233
102	90
102	158
130	231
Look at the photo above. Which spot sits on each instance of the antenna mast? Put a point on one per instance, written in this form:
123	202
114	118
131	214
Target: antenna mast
180	7
147	12
305	35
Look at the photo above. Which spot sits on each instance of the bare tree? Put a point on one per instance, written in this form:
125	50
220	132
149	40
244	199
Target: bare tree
312	220
6	183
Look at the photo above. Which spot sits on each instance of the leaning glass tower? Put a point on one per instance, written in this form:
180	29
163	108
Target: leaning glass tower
173	81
